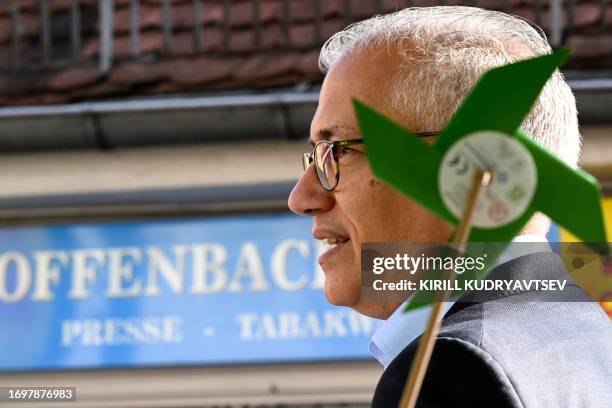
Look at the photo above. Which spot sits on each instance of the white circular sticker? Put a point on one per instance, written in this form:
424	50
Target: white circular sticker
511	189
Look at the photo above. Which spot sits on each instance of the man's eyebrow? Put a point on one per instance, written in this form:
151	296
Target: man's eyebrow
334	131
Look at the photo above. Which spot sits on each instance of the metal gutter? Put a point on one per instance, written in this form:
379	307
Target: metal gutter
204	119
164	103
591	85
163	120
76	207
593	99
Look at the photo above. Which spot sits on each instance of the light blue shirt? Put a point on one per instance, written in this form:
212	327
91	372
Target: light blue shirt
400	329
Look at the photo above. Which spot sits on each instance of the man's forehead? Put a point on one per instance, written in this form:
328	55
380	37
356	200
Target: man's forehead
333	132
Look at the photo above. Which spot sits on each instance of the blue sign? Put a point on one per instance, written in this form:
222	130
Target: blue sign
221	290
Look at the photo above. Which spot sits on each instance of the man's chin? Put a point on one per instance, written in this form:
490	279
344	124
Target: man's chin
341	296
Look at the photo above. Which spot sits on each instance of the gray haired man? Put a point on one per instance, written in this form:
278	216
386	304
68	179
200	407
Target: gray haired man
416	66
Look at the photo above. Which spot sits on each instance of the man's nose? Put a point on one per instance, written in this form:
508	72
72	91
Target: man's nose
308	196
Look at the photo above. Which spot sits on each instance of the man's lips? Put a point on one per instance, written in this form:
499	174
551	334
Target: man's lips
329	234
332	250
332	240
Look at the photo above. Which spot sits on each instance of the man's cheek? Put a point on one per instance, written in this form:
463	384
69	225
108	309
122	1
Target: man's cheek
374	183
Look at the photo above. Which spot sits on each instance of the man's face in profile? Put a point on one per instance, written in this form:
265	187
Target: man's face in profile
360	209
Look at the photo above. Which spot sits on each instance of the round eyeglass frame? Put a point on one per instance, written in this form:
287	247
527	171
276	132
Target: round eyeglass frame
310	157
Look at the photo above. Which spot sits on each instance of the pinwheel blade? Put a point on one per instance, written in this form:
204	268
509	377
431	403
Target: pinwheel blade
502	98
577	205
401	159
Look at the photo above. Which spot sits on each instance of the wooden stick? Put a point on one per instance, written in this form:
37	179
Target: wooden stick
423	354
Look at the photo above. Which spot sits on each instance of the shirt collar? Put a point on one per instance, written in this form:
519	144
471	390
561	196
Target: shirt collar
400	329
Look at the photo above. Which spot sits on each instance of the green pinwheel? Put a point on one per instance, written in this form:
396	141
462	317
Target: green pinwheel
484	134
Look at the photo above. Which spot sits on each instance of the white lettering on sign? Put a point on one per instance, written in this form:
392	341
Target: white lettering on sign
279	264
85	265
121	280
171	272
23	276
209	275
116	331
48	271
198	269
249	266
291	325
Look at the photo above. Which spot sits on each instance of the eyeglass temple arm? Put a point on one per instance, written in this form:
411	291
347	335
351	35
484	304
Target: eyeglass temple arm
360	141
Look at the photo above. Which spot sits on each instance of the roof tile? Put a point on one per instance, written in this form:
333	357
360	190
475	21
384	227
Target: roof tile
182	44
243	41
202	70
360	9
309	64
98	91
43	98
25	5
588	46
165	87
73	78
23	83
235	52
150	43
334	8
27	100
29	24
136	72
150	17
274	82
5	30
271	37
332	26
265	66
302	35
585	15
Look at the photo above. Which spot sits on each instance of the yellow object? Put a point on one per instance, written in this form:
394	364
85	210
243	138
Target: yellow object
595	277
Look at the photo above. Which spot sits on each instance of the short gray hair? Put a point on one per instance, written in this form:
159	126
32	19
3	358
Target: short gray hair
445	50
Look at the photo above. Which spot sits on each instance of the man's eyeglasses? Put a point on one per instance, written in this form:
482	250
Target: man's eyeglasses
325	157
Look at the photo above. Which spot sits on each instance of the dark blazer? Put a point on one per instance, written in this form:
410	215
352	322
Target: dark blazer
515	349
